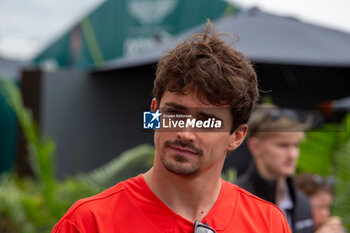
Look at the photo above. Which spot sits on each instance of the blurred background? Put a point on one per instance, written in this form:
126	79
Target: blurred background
77	75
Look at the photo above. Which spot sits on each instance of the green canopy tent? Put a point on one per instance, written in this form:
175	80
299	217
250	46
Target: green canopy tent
120	28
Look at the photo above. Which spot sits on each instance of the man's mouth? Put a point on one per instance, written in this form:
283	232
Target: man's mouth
182	150
289	164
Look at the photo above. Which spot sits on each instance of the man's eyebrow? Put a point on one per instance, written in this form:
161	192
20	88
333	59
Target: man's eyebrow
178	106
200	113
209	115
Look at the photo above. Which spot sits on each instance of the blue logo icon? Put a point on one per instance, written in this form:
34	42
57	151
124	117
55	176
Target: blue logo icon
151	120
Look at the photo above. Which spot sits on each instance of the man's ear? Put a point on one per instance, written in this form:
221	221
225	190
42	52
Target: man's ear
237	137
154	105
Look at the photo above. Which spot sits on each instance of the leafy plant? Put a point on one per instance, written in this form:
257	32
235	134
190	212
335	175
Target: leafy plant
34	205
326	151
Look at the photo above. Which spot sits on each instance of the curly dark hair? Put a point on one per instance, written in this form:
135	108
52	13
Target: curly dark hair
216	72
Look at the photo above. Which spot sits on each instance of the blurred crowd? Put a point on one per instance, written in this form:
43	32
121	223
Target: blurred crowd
274	136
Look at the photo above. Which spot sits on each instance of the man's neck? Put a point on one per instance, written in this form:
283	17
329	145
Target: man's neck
281	181
280	190
191	198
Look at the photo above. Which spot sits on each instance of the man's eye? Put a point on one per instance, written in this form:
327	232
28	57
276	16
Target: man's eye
283	145
203	118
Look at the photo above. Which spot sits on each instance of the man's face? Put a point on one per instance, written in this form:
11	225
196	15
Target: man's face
191	152
277	153
321	204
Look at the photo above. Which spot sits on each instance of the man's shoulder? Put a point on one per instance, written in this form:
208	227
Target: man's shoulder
302	197
248	200
96	200
247	195
98	203
88	213
255	214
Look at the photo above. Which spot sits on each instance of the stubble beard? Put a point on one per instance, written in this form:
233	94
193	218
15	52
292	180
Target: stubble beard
179	165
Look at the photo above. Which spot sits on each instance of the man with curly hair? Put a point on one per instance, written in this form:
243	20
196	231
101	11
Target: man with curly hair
207	79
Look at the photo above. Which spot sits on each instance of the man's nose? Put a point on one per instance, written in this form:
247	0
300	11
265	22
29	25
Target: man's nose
186	135
293	151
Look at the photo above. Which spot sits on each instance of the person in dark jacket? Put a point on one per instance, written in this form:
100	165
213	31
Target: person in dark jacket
273	139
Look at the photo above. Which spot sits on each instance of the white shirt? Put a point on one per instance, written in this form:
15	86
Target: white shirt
286	203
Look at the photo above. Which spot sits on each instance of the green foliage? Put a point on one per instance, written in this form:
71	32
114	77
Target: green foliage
316	151
229	175
34	205
326	151
129	163
267	99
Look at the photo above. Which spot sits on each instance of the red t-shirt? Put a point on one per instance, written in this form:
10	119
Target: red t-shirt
131	206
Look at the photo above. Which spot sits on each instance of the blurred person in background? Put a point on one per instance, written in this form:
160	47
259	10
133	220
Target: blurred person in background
183	191
273	139
320	193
